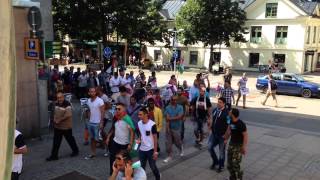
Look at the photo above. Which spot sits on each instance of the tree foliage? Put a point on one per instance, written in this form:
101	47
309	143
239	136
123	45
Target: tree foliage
212	22
134	20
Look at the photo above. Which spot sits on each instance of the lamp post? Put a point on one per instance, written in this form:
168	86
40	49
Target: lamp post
174	47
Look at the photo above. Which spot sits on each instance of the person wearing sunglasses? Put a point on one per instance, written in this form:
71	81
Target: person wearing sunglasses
122	132
123	168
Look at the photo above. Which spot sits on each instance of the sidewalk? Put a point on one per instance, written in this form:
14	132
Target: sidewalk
277	154
273	153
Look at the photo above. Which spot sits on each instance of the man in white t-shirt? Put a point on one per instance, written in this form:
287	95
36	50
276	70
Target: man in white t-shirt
83	83
96	107
148	142
20	148
114	85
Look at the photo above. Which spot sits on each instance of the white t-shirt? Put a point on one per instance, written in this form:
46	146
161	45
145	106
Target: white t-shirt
138	174
147	131
121	133
124	81
94	106
114	84
83	80
17	158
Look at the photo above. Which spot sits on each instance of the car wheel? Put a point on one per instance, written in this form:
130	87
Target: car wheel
306	93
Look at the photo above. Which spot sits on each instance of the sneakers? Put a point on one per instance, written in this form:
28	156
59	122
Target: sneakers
106	154
167	159
181	152
52	158
89	157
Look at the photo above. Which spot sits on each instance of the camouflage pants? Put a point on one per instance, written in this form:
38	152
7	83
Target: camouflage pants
234	160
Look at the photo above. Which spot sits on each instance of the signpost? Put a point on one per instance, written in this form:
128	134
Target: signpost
31	49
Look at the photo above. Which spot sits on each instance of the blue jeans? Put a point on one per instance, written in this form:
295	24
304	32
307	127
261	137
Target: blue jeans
145	156
215	140
93	129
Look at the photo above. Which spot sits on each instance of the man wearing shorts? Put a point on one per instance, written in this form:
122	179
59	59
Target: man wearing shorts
96	115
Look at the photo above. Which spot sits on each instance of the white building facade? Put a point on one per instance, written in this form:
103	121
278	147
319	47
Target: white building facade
286	31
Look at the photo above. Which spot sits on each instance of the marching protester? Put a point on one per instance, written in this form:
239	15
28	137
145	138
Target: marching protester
122	133
155	114
96	119
218	126
62	128
148	142
133	110
173	114
201	107
237	145
227	94
114	84
122	168
183	101
20	148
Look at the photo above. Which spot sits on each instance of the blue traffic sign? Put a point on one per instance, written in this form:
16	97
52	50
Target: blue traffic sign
107	52
175	54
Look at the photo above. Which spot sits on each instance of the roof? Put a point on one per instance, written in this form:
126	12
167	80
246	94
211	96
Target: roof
171	8
305	5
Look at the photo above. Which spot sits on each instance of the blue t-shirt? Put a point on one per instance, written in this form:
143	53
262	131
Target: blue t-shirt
172	112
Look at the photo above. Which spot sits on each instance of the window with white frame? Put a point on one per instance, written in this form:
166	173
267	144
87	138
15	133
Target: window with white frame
256	34
271	10
281	35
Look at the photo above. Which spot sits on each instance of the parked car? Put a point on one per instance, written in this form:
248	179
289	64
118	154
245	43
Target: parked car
289	83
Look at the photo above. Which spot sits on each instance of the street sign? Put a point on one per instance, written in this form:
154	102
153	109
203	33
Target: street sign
175	54
31	49
107	52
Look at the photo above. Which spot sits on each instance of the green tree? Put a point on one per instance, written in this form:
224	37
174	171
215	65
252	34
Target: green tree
212	22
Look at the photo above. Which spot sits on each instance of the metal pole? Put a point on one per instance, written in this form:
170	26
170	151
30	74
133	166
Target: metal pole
174	47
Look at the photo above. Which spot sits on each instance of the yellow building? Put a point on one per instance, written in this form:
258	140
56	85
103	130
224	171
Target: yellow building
287	31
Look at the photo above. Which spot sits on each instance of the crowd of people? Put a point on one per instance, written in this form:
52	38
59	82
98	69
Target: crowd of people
138	112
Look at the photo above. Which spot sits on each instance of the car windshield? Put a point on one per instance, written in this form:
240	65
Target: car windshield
299	78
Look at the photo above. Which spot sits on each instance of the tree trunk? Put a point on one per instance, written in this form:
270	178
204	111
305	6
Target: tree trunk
211	58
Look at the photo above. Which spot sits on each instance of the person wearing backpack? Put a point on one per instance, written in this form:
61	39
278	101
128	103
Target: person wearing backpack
272	89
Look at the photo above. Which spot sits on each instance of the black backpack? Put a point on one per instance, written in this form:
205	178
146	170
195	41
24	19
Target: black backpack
274	85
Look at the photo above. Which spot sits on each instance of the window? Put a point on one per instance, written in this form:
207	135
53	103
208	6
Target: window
253	59
193	57
308	35
157	55
281	34
314	34
256	34
271	10
280	58
216	57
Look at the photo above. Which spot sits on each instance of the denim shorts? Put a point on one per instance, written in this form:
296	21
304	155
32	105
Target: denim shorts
93	129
